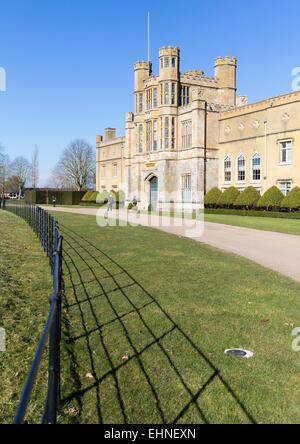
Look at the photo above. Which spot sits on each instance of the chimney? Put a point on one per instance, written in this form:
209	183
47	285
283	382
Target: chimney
110	133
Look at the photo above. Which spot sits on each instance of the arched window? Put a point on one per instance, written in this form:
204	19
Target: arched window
241	169
256	167
227	169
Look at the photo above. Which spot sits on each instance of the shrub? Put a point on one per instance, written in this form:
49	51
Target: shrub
292	200
271	199
102	197
228	198
36	197
130	206
255	213
248	198
120	198
62	197
89	198
212	197
86	197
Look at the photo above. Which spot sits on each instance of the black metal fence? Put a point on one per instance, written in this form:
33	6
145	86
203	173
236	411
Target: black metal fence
47	230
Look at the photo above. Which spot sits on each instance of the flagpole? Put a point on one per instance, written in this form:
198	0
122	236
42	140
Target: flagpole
149	38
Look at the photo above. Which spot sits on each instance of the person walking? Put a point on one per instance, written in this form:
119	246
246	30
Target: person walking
110	202
54	201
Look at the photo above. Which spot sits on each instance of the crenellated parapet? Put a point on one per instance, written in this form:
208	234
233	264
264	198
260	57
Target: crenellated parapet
169	51
142	71
141	65
232	61
272	102
198	77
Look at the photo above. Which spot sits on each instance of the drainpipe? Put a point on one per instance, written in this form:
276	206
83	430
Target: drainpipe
266	156
205	147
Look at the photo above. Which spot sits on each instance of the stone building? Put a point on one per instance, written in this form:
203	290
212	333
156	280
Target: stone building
110	161
258	145
190	132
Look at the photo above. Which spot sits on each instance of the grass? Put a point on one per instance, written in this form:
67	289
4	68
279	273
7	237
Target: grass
289	226
147	317
280	225
25	285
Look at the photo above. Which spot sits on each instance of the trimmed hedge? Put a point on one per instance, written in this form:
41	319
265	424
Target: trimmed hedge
271	199
102	197
254	213
248	198
62	197
86	197
94	198
292	200
212	197
228	198
36	197
90	198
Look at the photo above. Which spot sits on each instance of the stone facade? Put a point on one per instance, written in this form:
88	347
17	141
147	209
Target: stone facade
110	161
260	141
187	129
173	135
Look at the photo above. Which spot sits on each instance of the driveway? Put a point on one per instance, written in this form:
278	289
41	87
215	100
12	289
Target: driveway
277	251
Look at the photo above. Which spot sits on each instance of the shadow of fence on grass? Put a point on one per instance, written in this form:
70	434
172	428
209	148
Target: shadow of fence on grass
93	280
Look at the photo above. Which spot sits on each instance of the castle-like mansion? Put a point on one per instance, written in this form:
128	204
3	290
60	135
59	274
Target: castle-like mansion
190	133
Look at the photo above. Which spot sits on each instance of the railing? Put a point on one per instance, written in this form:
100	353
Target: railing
46	229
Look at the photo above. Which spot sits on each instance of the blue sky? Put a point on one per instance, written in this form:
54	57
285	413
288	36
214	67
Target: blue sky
69	63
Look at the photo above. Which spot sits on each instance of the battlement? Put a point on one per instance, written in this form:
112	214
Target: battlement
263	105
169	51
141	65
226	61
198	76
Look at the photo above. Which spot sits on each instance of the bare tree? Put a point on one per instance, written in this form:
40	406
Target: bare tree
77	166
12	184
20	168
35	167
4	170
54	182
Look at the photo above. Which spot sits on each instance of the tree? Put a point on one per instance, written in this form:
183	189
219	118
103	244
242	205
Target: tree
35	168
12	185
20	168
77	166
4	170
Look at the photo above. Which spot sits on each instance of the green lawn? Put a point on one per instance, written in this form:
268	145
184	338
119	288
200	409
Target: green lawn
147	317
290	226
25	286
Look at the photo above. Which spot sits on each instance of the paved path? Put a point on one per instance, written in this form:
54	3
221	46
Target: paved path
277	251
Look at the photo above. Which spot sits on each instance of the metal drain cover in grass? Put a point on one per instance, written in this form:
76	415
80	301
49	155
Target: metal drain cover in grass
239	352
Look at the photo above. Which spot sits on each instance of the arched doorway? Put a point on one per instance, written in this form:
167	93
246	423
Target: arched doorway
153	192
